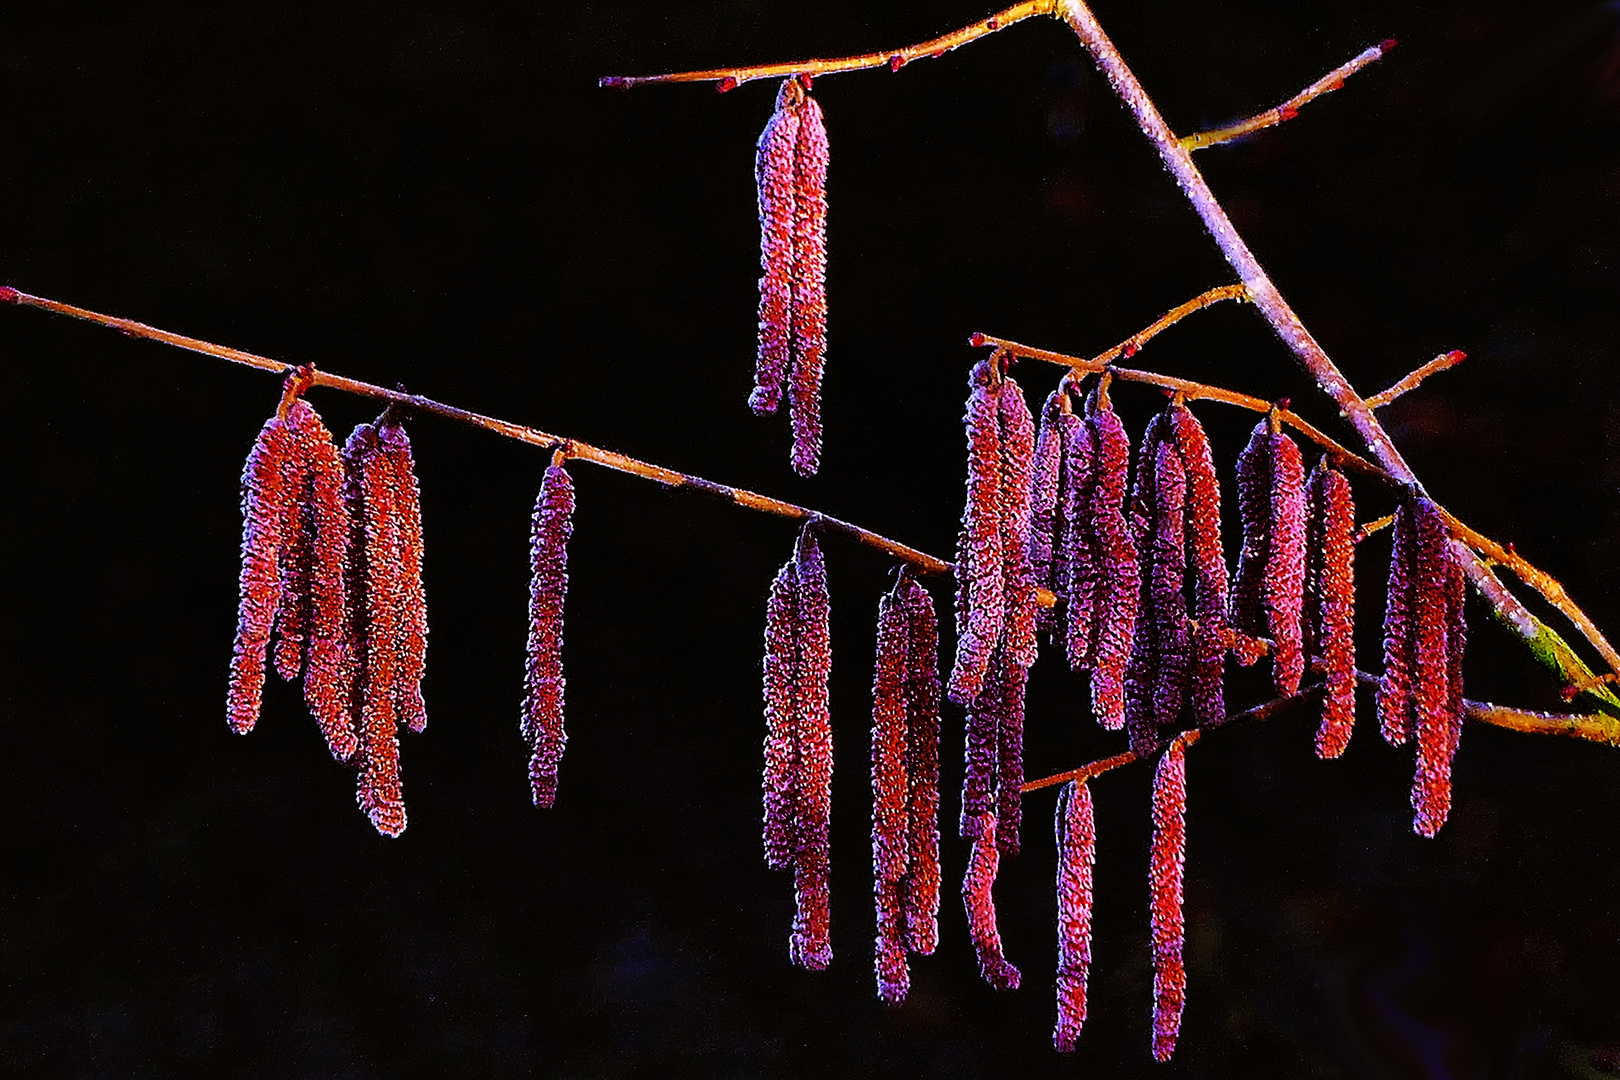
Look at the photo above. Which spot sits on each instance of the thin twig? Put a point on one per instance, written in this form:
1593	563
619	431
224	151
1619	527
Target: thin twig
1333	80
1376	525
576	449
1410	382
894	59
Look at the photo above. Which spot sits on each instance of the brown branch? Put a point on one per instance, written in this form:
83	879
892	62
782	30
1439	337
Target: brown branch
731	77
1333	80
574	448
1376	525
1410	382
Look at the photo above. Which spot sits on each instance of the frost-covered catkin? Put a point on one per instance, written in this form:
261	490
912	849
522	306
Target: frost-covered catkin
781	718
811	943
1207	564
1437	705
1165	879
983	863
1330	603
264	512
1077	566
326	627
921	884
551	526
413	627
1017	454
980	592
809	287
1010	759
1268	591
1395	685
1045	517
1167	588
773	176
890	796
981	746
1116	560
1077	854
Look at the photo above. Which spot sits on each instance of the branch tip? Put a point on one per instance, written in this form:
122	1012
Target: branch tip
8	295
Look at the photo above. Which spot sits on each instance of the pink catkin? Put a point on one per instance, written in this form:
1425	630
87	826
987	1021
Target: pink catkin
1045	517
541	725
1208	564
1331	600
1165	879
1077	571
809	287
1284	589
773	176
264	511
983	862
781	718
1245	611
890	795
1436	705
981	748
290	652
377	593
1167	587
413	628
1077	855
1395	685
811	943
1116	555
921	884
1010	759
1017	453
980	593
325	674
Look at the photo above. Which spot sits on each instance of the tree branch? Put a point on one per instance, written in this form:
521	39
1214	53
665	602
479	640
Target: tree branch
732	77
1333	80
1410	382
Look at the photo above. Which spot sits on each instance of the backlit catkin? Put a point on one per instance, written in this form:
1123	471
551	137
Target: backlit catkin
1330	600
550	528
1076	830
1165	879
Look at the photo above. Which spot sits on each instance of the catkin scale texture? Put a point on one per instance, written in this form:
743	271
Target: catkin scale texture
920	887
1208	564
1116	559
809	287
980	584
773	176
264	512
1166	865
890	795
550	528
1077	854
1330	603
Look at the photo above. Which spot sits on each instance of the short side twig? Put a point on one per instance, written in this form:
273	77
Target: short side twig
894	59
1290	108
1410	382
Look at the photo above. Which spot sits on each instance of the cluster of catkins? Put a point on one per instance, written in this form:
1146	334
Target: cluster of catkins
332	567
332	570
1141	598
790	170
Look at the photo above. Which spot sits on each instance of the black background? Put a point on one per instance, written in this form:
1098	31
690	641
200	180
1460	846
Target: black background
438	195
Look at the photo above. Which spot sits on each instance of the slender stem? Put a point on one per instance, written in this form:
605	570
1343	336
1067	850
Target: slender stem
1376	525
1411	382
895	59
576	449
1333	80
1262	292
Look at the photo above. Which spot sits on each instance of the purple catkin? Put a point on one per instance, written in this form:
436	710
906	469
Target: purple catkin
264	512
981	747
1284	587
1395	685
781	718
980	596
1167	584
1208	564
1076	567
811	943
297	553
413	628
543	683
773	176
890	795
1165	880
1119	593
1077	855
983	862
1245	611
809	287
377	601
1330	601
921	884
1010	759
1434	703
1045	517
1017	452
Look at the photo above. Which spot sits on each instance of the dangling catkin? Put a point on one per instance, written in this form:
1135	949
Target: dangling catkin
980	585
811	943
773	176
1268	592
1017	452
1046	482
1077	568
781	718
921	883
1116	560
1330	602
1437	611
265	502
1208	563
890	795
809	286
1077	854
1165	878
1395	685
983	862
413	628
550	528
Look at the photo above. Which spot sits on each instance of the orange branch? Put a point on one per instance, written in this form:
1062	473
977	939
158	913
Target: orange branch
1410	382
730	78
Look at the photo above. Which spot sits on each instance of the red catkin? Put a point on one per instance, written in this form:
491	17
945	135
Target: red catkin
981	748
413	628
327	523
1077	571
1116	560
809	287
1167	585
264	512
980	593
811	943
297	554
1254	510
773	176
1165	879
377	599
781	718
1010	758
1208	564
1077	854
921	883
1284	589
550	528
1437	595
1017	452
983	862
1330	601
890	795
1046	482
1395	685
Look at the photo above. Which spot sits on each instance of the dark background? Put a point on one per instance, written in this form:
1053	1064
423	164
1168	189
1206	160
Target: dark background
437	194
